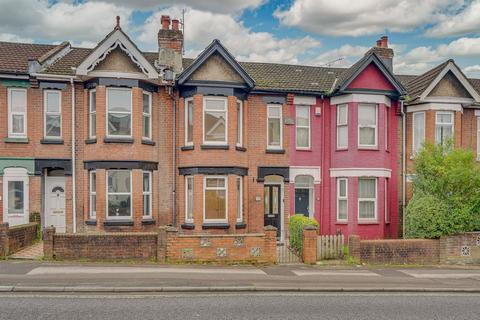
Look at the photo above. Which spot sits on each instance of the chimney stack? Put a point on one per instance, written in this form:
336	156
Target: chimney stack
383	52
170	44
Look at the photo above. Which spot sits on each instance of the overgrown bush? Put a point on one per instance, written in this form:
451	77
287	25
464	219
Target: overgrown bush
297	223
446	187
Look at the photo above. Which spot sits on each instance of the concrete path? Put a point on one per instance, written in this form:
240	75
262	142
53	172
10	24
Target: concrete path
33	252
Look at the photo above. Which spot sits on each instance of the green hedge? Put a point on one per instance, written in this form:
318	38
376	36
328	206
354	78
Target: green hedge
297	223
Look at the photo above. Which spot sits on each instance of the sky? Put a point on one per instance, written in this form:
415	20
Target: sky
423	33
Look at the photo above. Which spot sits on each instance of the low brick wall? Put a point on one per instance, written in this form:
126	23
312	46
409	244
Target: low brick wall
241	248
409	251
13	239
460	249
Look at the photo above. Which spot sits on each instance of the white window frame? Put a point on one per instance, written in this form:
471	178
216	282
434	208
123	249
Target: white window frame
187	179
340	125
45	113
11	114
11	175
92	114
478	138
387	212
149	115
386	128
119	112
205	109
226	198
107	217
307	127
368	146
437	113
414	115
342	198
239	198
275	106
92	213
375	219
239	123
149	193
188	143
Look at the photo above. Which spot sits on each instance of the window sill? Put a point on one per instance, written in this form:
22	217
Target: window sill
187	148
148	221
242	149
368	148
91	222
15	140
51	141
148	142
341	149
275	151
188	226
364	222
91	141
303	150
214	146
115	223
215	226
240	225
118	140
341	222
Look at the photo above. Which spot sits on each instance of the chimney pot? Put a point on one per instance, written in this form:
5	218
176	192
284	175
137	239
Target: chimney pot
384	41
165	20
379	43
175	24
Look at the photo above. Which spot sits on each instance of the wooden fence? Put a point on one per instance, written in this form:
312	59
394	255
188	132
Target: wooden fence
330	247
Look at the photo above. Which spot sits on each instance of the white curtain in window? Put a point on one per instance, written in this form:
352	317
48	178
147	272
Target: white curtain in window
418	130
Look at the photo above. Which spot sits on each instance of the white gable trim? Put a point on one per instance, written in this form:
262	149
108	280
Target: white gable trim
360	172
435	106
451	67
361	98
117	39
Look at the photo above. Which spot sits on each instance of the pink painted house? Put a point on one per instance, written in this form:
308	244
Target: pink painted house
344	170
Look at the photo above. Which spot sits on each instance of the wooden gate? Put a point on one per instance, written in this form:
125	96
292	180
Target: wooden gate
330	247
286	255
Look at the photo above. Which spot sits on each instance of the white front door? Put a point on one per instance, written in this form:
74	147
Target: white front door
55	203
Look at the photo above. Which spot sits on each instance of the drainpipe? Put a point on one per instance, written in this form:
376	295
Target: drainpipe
74	193
174	157
404	166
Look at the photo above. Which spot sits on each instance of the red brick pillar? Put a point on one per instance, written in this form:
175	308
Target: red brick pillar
309	244
171	237
48	251
270	249
162	244
4	239
354	247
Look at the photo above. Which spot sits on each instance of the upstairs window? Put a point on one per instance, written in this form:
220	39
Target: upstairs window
367	125
119	119
239	123
443	126
52	114
274	126
342	126
17	113
302	122
215	120
147	116
92	114
367	198
418	131
189	121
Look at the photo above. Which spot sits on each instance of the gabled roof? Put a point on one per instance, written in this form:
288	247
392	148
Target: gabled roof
14	56
215	47
116	39
371	57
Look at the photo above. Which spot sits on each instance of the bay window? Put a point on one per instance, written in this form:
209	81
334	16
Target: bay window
367	125
239	123
52	114
93	194
239	185
119	194
215	120
189	199
189	121
17	113
92	114
147	194
342	126
215	199
342	199
418	130
367	198
274	126
443	126
302	122
147	116
119	108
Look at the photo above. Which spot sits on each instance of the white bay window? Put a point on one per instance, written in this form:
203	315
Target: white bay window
418	130
119	194
215	120
189	199
215	199
119	107
342	199
367	199
147	116
367	125
147	194
342	126
92	114
443	126
93	194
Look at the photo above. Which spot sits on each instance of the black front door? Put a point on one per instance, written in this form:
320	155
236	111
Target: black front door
272	199
301	201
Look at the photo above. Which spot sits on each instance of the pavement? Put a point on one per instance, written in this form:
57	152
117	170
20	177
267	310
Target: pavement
41	276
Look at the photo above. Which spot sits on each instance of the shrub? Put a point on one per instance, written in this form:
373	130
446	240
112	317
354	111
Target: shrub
297	223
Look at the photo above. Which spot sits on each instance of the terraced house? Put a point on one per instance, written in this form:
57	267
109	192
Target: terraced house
116	139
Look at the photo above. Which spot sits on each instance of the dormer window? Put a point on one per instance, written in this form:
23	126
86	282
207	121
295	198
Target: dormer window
215	120
119	108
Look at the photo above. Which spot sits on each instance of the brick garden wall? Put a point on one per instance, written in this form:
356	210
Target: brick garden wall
13	239
460	249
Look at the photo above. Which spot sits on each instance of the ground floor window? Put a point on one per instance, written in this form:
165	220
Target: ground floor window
342	199
119	194
215	199
189	199
367	198
16	203
15	196
239	185
304	195
147	194
93	194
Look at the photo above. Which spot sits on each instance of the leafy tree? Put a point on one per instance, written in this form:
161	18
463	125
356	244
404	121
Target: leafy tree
446	186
